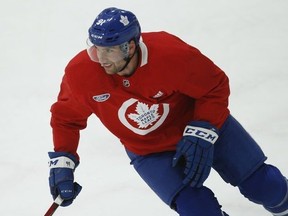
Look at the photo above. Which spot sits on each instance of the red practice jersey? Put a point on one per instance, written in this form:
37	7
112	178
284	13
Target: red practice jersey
148	111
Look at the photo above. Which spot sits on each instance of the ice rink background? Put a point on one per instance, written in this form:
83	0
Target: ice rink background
247	39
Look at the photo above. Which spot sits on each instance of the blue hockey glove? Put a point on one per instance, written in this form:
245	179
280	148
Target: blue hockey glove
61	179
196	147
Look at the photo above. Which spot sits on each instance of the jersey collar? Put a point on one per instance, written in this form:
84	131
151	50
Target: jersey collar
144	53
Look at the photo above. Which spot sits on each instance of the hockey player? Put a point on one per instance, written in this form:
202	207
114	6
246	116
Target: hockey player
168	105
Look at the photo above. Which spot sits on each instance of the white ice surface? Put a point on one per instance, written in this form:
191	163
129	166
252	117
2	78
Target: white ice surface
247	39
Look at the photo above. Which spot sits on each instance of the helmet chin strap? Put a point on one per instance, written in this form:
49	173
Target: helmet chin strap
128	59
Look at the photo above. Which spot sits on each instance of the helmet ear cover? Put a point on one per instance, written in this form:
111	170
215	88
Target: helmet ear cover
113	27
125	48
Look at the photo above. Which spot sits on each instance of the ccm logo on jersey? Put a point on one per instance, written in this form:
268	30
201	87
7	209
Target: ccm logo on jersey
202	133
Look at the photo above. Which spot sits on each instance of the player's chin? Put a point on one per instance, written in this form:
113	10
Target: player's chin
109	69
109	72
112	72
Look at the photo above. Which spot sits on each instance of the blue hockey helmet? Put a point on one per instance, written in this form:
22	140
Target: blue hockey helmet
113	27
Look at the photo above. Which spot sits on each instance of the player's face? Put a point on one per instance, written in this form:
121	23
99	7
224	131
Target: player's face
111	58
114	58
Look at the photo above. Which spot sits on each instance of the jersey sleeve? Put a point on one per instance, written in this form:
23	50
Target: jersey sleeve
68	117
209	86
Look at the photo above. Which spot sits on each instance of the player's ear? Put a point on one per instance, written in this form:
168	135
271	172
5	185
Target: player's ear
132	47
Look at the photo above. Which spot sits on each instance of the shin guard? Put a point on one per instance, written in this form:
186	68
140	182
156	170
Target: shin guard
197	201
268	187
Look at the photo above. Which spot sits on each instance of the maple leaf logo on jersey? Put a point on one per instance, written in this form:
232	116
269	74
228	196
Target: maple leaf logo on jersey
146	119
145	116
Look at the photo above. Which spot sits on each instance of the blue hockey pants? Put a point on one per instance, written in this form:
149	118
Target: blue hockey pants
239	161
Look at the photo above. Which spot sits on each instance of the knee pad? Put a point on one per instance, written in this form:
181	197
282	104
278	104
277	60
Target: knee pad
268	187
197	201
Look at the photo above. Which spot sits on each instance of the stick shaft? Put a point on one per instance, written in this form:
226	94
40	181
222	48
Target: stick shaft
52	209
54	206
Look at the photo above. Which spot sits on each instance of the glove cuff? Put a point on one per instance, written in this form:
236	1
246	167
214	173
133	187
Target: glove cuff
62	160
202	130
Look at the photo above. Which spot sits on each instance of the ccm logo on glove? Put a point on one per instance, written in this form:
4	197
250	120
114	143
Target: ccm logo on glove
202	133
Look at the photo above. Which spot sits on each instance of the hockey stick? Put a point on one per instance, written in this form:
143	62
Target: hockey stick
54	206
